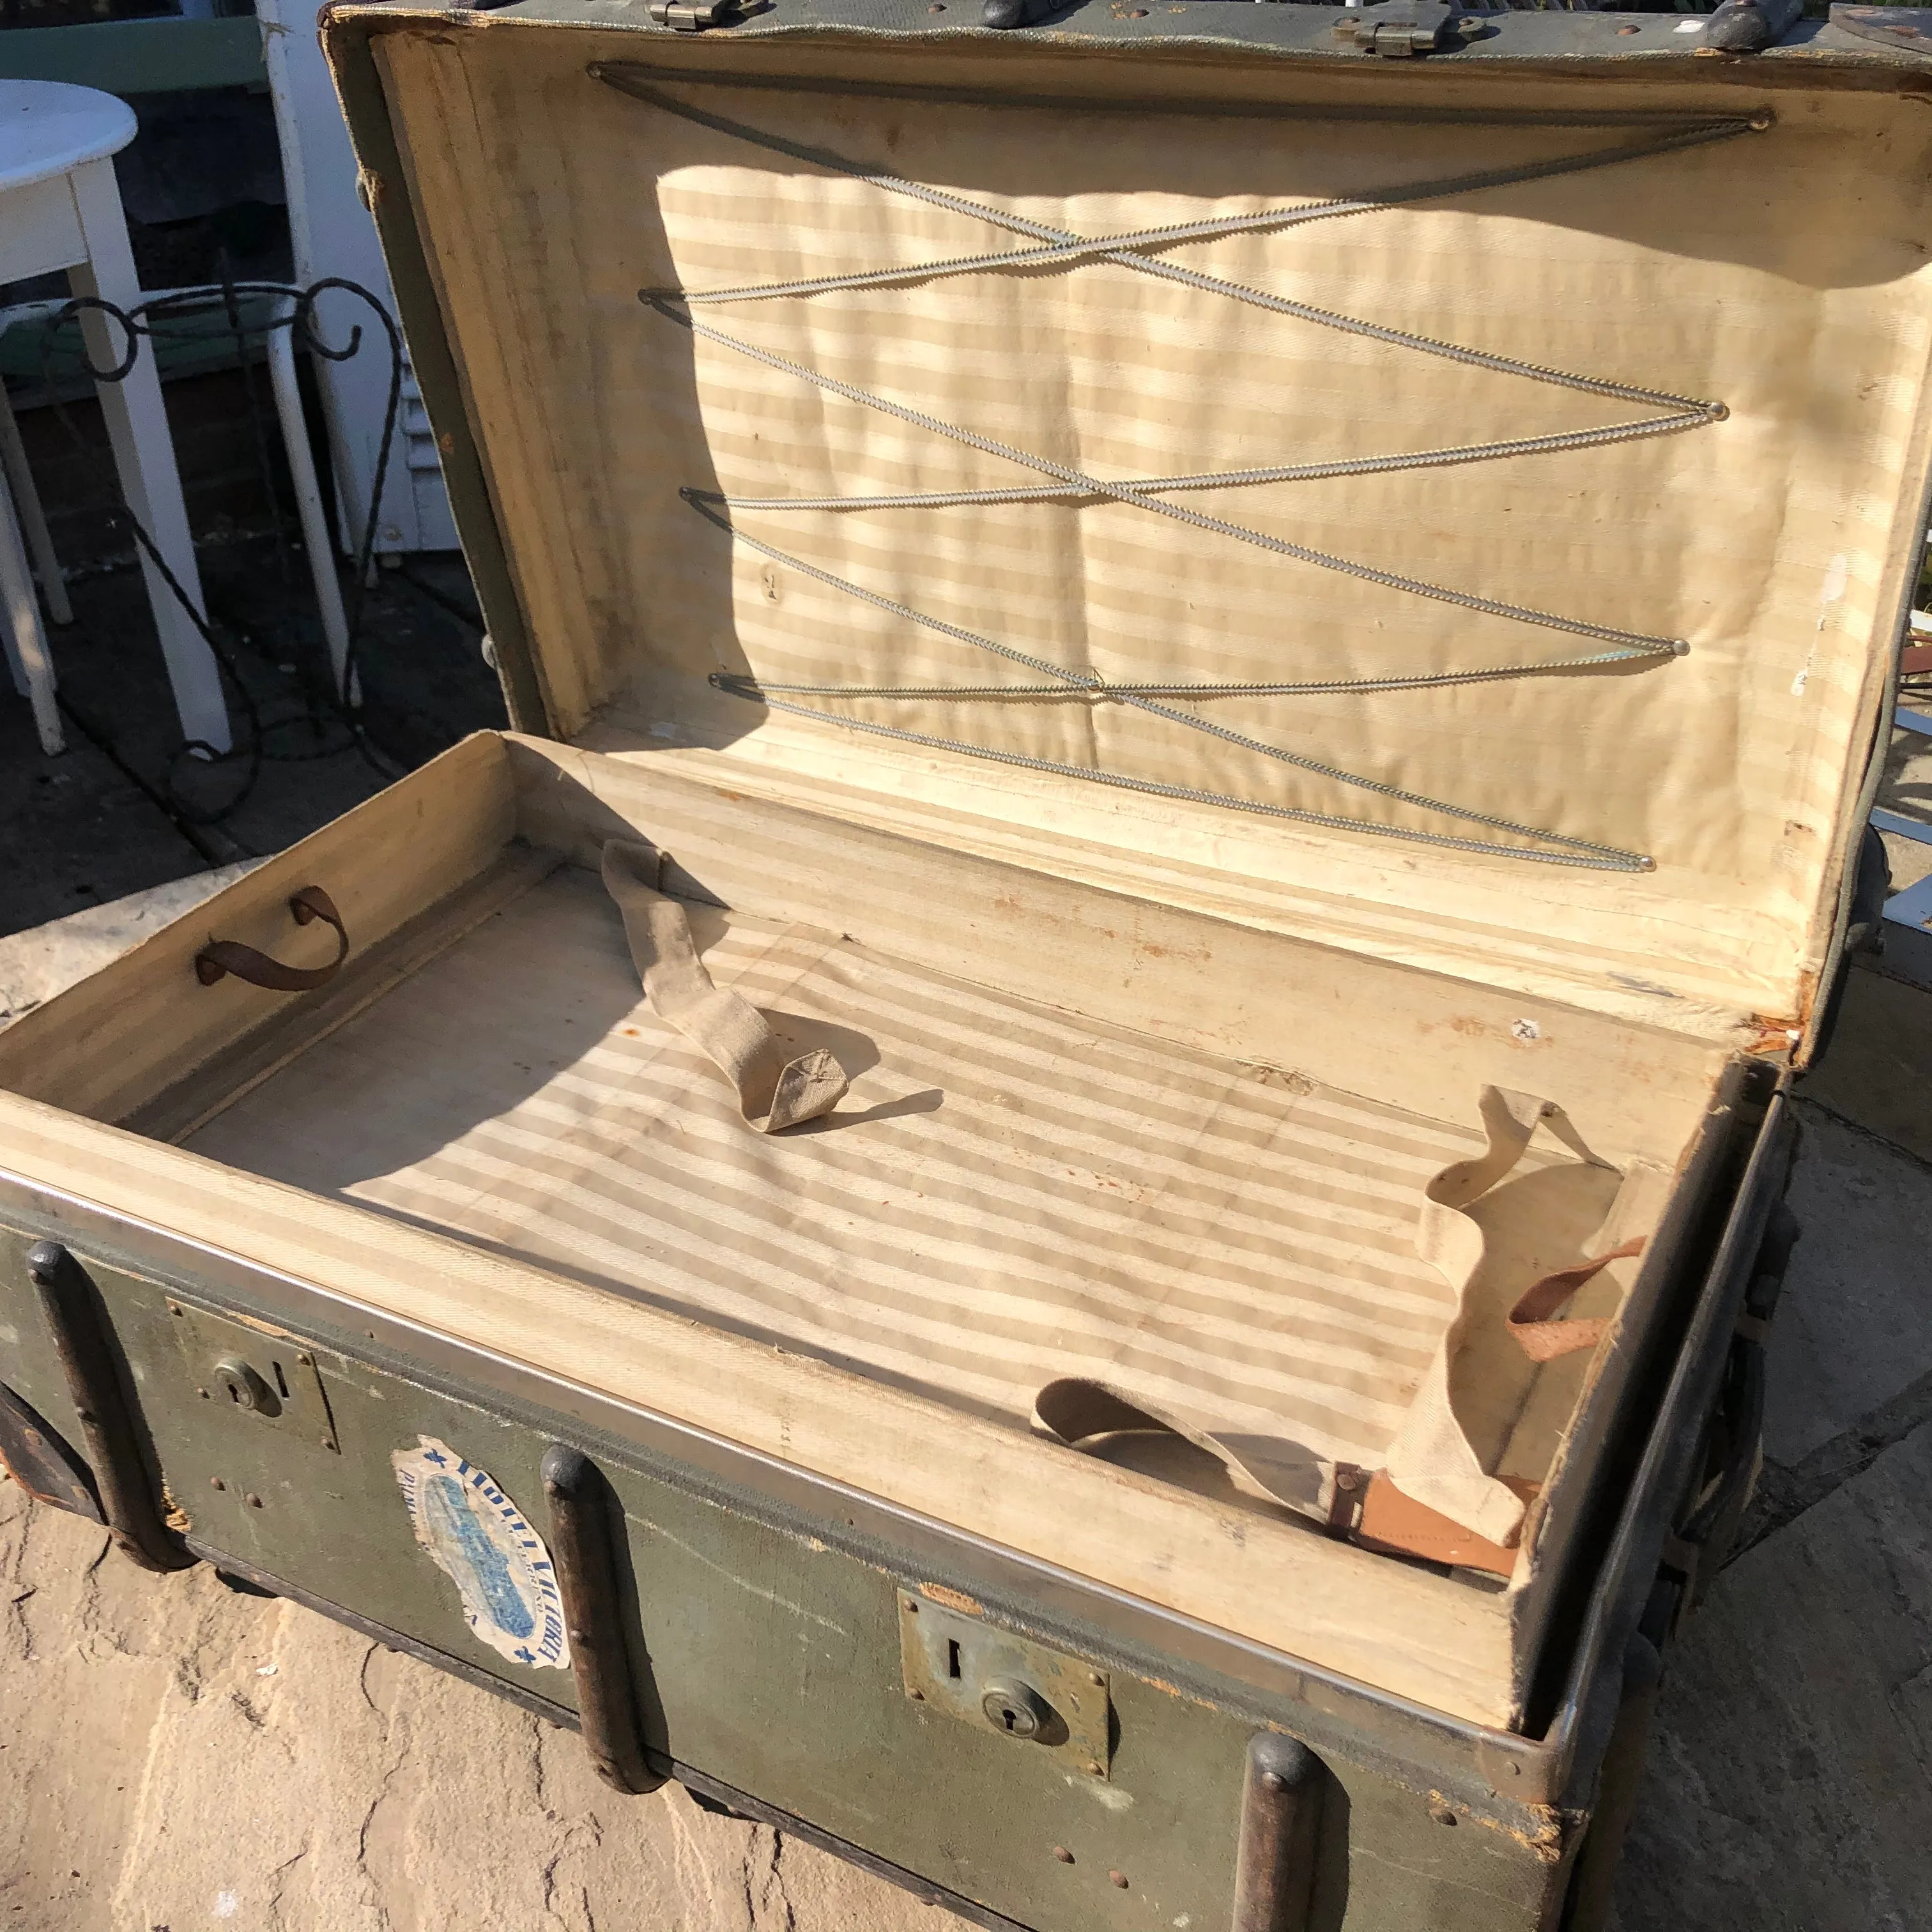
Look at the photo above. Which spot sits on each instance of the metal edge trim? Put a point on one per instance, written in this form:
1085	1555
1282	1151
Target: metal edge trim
1618	1602
1674	1270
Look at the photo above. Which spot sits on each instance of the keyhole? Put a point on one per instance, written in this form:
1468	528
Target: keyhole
1011	1719
234	1394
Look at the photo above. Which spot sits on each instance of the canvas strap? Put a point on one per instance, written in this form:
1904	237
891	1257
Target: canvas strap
1431	1459
1362	1505
1432	1497
774	1092
1073	1409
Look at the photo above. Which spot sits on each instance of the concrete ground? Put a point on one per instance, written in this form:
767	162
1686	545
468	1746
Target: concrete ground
174	1755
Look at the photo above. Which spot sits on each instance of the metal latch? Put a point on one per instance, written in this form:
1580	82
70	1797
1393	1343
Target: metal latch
1396	27
690	19
1006	1684
253	1369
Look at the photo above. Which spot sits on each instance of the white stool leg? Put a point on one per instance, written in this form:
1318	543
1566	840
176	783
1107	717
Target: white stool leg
15	669
23	621
308	503
32	518
137	427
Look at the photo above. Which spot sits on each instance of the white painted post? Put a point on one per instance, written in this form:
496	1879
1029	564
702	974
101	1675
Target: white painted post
23	619
137	427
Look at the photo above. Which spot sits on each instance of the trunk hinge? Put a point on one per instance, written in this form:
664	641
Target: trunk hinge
1401	27
690	18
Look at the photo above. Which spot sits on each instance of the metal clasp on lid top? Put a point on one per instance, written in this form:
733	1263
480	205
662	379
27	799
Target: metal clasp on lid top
688	18
1401	27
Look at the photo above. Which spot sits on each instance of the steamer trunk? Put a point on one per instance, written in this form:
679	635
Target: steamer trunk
1070	1174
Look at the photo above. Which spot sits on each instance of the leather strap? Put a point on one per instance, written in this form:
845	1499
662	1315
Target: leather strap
1542	1339
1393	1521
221	957
774	1092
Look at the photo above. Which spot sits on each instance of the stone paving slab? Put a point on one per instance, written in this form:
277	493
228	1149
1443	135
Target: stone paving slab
1879	1072
175	1756
1851	1326
36	964
1787	1787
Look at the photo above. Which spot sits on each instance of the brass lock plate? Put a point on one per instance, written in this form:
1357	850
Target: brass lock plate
254	1370
1042	1699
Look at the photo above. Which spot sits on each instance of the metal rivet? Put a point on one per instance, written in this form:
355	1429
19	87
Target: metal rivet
175	1308
1118	1878
203	1394
370	1333
306	1361
1065	1857
911	1608
216	1483
1094	1677
1441	1812
253	1500
917	1696
1094	1765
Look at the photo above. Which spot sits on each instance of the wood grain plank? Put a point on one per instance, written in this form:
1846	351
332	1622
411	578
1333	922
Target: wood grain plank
108	1045
1414	1040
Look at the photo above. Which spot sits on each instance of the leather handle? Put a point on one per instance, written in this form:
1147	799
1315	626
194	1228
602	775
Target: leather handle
221	957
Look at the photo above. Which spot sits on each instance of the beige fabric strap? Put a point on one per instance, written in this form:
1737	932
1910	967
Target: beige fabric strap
774	1093
1074	1409
1431	1459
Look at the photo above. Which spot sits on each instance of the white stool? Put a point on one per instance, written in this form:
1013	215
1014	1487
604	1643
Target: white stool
60	208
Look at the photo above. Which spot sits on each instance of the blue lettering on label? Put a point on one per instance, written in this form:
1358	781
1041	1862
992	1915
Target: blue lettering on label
487	1547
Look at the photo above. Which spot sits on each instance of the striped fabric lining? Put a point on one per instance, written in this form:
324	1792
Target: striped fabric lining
1008	1194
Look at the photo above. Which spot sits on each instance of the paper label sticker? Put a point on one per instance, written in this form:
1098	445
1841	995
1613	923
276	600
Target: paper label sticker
486	1547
